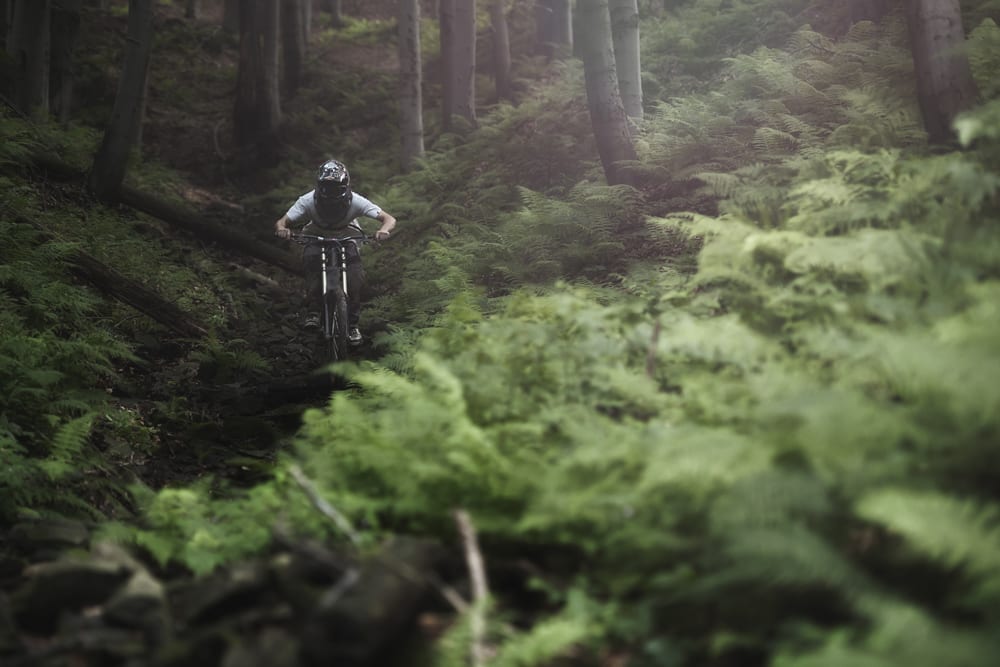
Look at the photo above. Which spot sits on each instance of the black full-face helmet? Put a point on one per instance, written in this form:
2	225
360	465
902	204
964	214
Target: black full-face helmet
333	189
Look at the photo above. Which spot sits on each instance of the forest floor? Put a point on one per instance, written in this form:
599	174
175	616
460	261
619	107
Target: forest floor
232	419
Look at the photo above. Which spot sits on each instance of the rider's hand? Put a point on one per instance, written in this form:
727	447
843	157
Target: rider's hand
381	235
282	232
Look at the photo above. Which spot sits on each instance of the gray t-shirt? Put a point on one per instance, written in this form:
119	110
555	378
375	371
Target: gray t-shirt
304	210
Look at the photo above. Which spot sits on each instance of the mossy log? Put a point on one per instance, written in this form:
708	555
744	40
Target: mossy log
114	284
178	216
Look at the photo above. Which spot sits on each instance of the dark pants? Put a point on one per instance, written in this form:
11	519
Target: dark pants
355	278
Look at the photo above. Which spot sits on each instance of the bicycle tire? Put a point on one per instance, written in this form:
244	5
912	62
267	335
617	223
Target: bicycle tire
336	310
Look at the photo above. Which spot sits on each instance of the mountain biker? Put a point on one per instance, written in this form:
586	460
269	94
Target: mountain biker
332	209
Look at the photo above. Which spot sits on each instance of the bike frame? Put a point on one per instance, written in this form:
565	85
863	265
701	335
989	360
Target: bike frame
328	246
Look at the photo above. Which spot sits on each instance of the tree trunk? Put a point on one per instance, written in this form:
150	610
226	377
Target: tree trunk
257	111
554	27
231	15
868	10
446	25
192	9
271	78
464	60
562	27
28	46
293	41
625	36
65	30
208	230
411	120
307	21
134	294
336	12
114	284
108	170
501	49
607	114
182	218
945	86
5	15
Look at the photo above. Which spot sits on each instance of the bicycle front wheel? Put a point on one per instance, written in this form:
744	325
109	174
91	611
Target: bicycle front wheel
336	311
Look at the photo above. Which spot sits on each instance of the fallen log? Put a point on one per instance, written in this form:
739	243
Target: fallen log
177	216
114	284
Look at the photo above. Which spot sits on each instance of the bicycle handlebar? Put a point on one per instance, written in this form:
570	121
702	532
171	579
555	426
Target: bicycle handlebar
338	239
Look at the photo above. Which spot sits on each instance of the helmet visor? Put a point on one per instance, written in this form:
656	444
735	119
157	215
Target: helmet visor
332	190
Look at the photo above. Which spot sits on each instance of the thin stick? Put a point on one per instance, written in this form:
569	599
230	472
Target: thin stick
325	508
474	561
651	352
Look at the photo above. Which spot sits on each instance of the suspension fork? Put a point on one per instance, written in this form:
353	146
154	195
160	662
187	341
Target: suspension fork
342	267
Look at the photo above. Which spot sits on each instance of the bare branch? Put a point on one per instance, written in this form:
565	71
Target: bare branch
480	591
325	508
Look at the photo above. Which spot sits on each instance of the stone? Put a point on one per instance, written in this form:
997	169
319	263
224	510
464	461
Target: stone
66	585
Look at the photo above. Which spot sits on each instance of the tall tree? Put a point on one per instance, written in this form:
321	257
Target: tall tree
562	26
411	119
336	12
446	58
192	9
257	111
607	114
5	15
293	41
28	47
108	169
945	86
554	27
625	36
64	32
501	49
867	10
231	15
464	60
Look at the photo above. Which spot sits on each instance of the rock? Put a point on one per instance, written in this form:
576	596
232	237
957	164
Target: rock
60	586
273	647
208	599
9	641
358	622
141	604
46	539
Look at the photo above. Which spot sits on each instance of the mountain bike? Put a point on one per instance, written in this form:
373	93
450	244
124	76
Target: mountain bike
334	310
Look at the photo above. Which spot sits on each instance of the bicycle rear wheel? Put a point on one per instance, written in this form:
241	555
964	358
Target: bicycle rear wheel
336	312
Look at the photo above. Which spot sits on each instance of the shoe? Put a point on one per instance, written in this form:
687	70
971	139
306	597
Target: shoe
354	335
311	321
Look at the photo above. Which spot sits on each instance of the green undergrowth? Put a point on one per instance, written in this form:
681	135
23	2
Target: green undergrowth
745	415
790	454
68	353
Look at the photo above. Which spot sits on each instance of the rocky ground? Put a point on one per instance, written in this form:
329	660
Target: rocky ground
69	601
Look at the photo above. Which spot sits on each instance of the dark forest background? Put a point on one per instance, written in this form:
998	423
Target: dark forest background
680	355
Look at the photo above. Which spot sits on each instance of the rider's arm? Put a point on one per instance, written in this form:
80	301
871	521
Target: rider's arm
281	229
388	224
